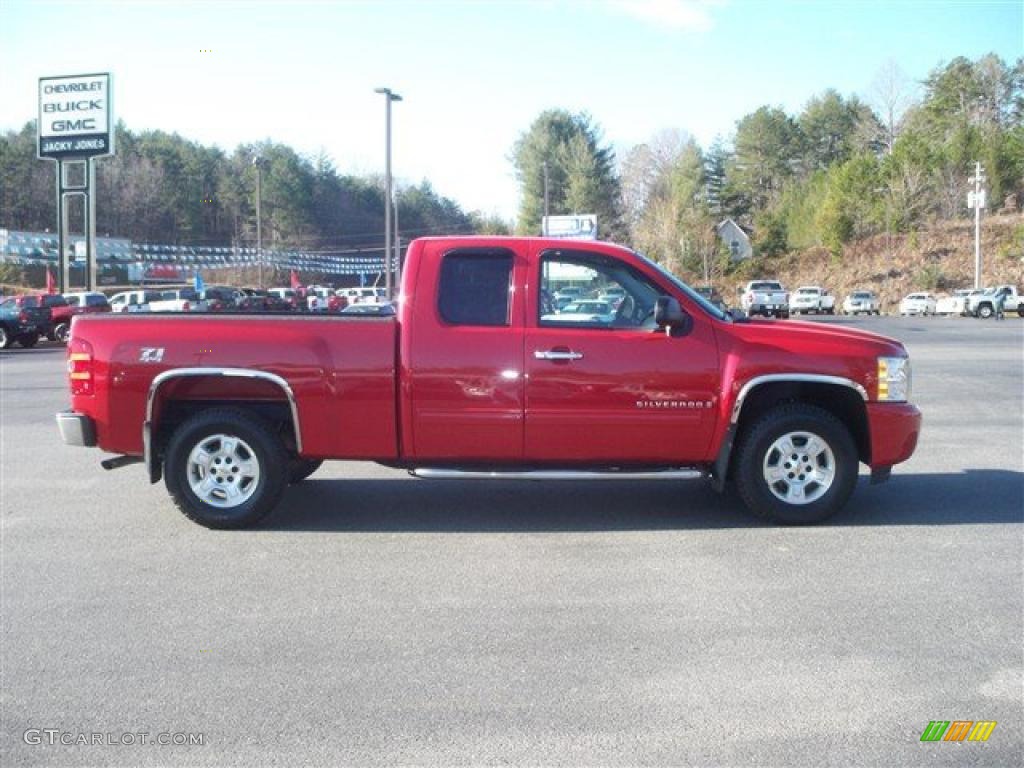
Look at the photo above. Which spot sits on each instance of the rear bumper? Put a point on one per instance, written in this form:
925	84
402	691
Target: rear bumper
894	429
76	429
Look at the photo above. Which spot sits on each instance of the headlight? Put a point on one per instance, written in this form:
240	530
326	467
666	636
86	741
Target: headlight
893	379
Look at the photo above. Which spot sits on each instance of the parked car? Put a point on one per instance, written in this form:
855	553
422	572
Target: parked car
983	304
918	304
363	295
321	299
61	313
133	301
217	298
862	302
175	300
953	304
585	311
471	381
812	298
23	319
290	295
88	301
382	309
764	297
263	302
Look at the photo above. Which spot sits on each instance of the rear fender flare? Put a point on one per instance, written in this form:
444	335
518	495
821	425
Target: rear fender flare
153	468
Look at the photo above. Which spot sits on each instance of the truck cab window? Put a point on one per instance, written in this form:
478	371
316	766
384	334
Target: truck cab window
584	290
474	288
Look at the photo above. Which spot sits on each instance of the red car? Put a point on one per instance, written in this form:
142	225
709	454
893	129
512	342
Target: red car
472	379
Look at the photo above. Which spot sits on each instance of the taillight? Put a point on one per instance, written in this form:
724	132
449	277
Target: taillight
80	367
23	317
186	307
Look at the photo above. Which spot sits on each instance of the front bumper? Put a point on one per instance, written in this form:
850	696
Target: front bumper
76	429
894	429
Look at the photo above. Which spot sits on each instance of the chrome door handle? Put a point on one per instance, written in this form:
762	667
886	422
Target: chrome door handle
555	354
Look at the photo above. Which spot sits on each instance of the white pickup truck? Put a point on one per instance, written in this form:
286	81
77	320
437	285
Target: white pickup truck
812	298
764	297
983	304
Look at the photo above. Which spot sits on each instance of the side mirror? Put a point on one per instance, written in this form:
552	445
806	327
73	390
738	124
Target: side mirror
670	316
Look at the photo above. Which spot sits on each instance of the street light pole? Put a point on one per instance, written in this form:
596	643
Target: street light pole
389	97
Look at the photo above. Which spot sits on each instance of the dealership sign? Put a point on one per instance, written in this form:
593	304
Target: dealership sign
576	227
75	120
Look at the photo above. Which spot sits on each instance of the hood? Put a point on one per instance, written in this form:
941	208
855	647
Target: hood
819	336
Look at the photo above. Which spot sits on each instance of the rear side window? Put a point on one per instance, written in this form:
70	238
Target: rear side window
94	300
474	288
30	302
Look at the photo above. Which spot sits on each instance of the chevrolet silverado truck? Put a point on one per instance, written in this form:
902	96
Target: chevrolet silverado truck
764	297
474	379
984	304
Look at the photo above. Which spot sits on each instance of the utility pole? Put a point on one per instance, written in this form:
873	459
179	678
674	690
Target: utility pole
544	228
258	162
389	97
976	200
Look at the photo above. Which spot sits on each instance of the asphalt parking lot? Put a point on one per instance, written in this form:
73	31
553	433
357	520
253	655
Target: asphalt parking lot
378	619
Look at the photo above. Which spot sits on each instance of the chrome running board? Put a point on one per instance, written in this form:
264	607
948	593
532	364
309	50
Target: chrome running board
680	473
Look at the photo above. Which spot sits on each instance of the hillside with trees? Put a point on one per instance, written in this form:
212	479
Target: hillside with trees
162	188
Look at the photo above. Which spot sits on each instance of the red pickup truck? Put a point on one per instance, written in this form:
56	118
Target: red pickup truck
481	376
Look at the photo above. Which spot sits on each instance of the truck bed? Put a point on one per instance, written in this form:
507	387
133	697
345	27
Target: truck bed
341	370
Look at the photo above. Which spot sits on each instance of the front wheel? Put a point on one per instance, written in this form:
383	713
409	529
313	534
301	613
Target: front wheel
61	333
796	465
225	468
5	338
300	469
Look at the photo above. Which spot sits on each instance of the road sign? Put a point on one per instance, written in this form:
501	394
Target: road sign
581	227
75	119
980	197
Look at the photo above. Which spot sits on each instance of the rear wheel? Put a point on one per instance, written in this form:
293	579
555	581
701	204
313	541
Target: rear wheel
5	338
985	311
796	465
225	468
61	332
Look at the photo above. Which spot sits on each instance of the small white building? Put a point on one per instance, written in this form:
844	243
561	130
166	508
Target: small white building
735	239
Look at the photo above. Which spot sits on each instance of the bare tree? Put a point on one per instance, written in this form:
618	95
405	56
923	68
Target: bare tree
892	93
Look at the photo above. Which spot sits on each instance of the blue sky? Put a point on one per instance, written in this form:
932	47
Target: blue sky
474	74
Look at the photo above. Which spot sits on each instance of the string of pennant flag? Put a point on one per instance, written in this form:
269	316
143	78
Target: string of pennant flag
29	248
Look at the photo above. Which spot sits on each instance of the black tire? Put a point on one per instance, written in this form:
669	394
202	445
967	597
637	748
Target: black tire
757	448
262	445
5	338
300	469
1020	311
61	333
985	311
29	340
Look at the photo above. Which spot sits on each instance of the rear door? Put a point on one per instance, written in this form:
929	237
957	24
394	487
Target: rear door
614	391
463	355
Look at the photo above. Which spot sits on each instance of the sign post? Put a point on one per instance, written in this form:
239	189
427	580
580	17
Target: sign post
75	126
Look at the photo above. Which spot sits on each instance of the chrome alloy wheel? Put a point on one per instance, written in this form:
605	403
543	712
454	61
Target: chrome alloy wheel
223	471
799	468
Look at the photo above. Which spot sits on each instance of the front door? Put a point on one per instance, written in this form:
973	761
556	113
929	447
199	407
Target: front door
604	385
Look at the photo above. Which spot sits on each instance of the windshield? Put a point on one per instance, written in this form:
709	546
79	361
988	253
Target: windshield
706	305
